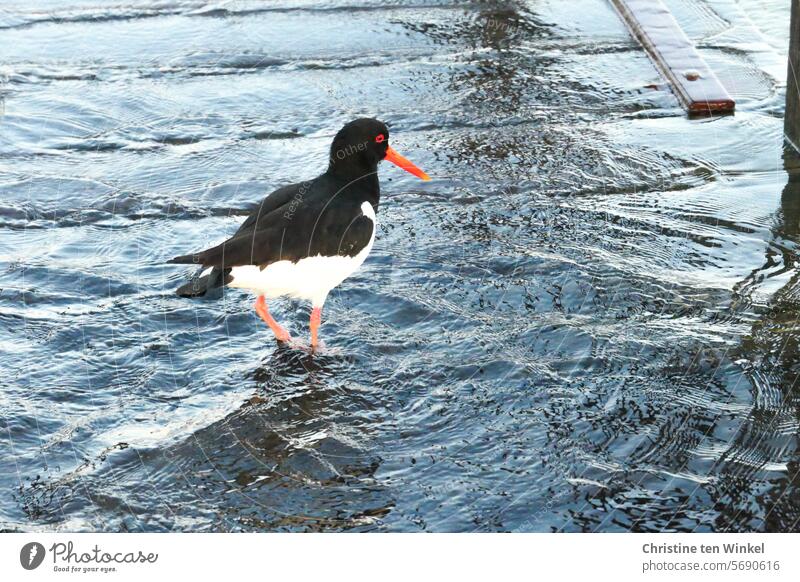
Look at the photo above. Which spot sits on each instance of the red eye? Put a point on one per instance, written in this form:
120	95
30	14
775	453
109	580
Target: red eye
380	138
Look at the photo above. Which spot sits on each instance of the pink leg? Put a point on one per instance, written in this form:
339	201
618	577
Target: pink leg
261	308
316	320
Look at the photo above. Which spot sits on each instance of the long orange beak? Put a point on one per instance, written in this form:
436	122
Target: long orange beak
405	163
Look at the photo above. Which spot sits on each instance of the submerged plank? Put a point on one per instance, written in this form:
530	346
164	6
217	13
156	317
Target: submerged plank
792	117
695	84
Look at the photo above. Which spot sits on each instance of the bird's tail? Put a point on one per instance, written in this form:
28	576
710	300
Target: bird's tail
199	286
186	260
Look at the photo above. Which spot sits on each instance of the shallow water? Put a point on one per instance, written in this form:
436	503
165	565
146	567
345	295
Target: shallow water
587	321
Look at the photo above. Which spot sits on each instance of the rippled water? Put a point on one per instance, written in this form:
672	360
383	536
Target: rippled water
587	321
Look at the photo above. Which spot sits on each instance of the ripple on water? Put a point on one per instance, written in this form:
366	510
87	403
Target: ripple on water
584	322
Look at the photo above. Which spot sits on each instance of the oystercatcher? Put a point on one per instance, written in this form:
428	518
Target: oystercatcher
305	239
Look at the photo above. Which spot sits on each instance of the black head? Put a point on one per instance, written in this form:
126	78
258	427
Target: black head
360	145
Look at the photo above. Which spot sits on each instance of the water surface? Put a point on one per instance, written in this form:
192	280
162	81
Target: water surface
587	321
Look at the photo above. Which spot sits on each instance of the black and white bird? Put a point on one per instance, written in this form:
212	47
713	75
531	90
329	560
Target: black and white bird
306	238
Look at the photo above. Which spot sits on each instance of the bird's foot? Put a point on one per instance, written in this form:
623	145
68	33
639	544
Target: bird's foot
280	333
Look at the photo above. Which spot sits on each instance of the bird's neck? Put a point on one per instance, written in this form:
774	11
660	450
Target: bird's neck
351	167
361	185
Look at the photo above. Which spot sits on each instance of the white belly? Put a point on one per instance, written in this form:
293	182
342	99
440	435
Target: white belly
311	278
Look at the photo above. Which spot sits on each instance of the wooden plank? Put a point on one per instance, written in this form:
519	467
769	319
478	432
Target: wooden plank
695	84
791	119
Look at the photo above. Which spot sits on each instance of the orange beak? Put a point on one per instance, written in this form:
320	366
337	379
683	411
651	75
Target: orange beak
404	163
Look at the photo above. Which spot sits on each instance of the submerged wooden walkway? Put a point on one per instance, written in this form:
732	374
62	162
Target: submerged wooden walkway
792	116
695	84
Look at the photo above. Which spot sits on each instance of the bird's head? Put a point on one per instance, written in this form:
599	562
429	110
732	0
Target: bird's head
361	144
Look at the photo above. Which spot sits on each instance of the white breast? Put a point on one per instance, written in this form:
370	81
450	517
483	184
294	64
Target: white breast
311	278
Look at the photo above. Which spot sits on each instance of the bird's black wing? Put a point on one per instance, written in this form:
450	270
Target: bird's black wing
280	198
318	227
260	247
356	237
